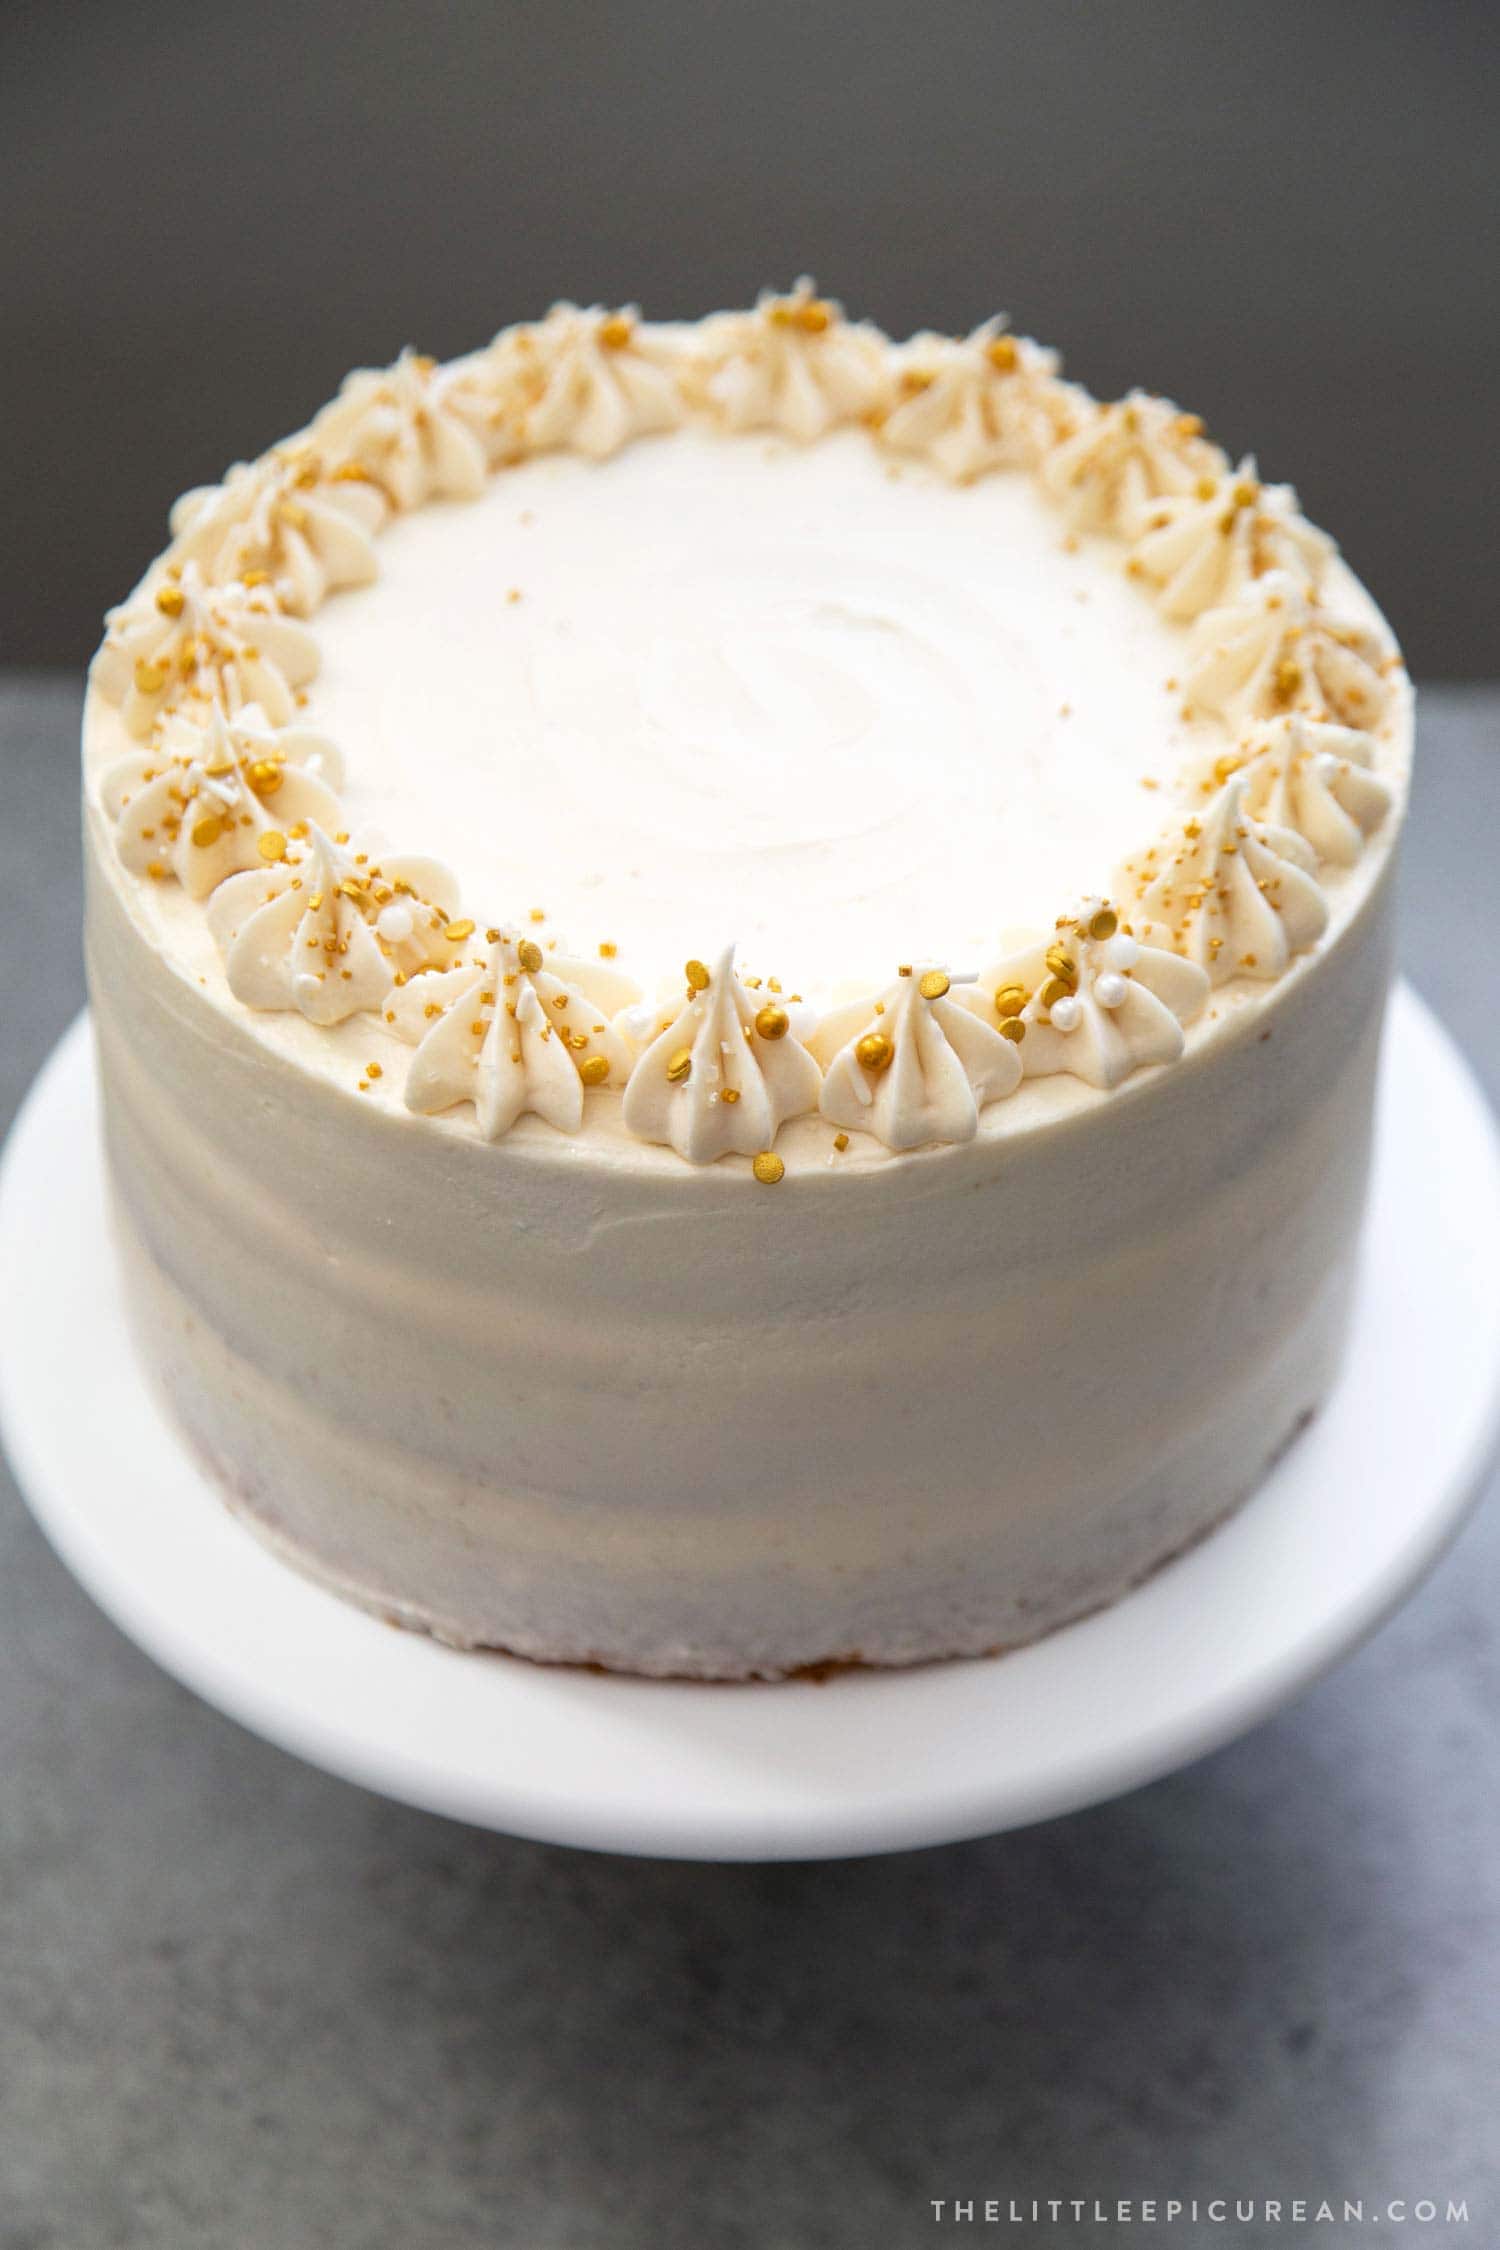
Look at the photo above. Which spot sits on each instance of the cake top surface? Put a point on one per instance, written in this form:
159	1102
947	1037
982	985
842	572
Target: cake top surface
710	726
727	688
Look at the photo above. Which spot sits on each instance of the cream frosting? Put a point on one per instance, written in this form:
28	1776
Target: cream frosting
802	677
913	1066
724	1072
1198	548
1236	895
198	805
1274	648
591	380
1315	777
285	519
327	930
416	428
1106	472
974	403
794	364
684	730
1092	1000
516	1032
181	641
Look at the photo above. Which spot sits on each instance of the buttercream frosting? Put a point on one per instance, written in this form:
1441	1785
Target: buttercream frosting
1121	456
794	364
1198	548
287	519
182	642
723	1072
1091	999
1275	648
198	805
415	427
327	930
913	1066
975	403
516	1032
1238	896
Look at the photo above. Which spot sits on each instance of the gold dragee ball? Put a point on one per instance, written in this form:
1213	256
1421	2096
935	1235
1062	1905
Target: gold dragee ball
594	1069
529	954
773	1022
768	1167
874	1050
696	973
933	985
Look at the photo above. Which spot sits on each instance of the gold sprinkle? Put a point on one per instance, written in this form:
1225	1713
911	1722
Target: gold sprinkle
680	1065
697	976
608	949
1010	1000
1014	1027
373	1070
207	831
170	600
841	1142
529	954
456	932
773	1022
272	845
1062	964
537	914
615	332
594	1069
933	984
768	1167
513	595
874	1050
156	871
150	679
1054	990
1002	354
729	1094
264	776
1105	923
492	937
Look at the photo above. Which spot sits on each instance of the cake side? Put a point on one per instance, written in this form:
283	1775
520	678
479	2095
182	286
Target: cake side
933	1408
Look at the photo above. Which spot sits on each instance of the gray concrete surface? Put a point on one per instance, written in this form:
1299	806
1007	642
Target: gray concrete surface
247	2007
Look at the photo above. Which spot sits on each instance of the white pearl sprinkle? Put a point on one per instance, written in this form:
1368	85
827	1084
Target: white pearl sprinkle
1066	1014
1109	990
394	923
1121	952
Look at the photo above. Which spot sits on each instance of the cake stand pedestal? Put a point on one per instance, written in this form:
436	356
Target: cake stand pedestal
1347	1523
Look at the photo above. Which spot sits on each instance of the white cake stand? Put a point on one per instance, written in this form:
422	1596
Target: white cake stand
1349	1521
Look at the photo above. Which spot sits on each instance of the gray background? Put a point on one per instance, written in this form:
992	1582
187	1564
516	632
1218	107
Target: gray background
1284	213
246	2007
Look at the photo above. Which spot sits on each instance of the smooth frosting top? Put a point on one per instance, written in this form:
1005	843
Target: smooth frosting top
743	646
